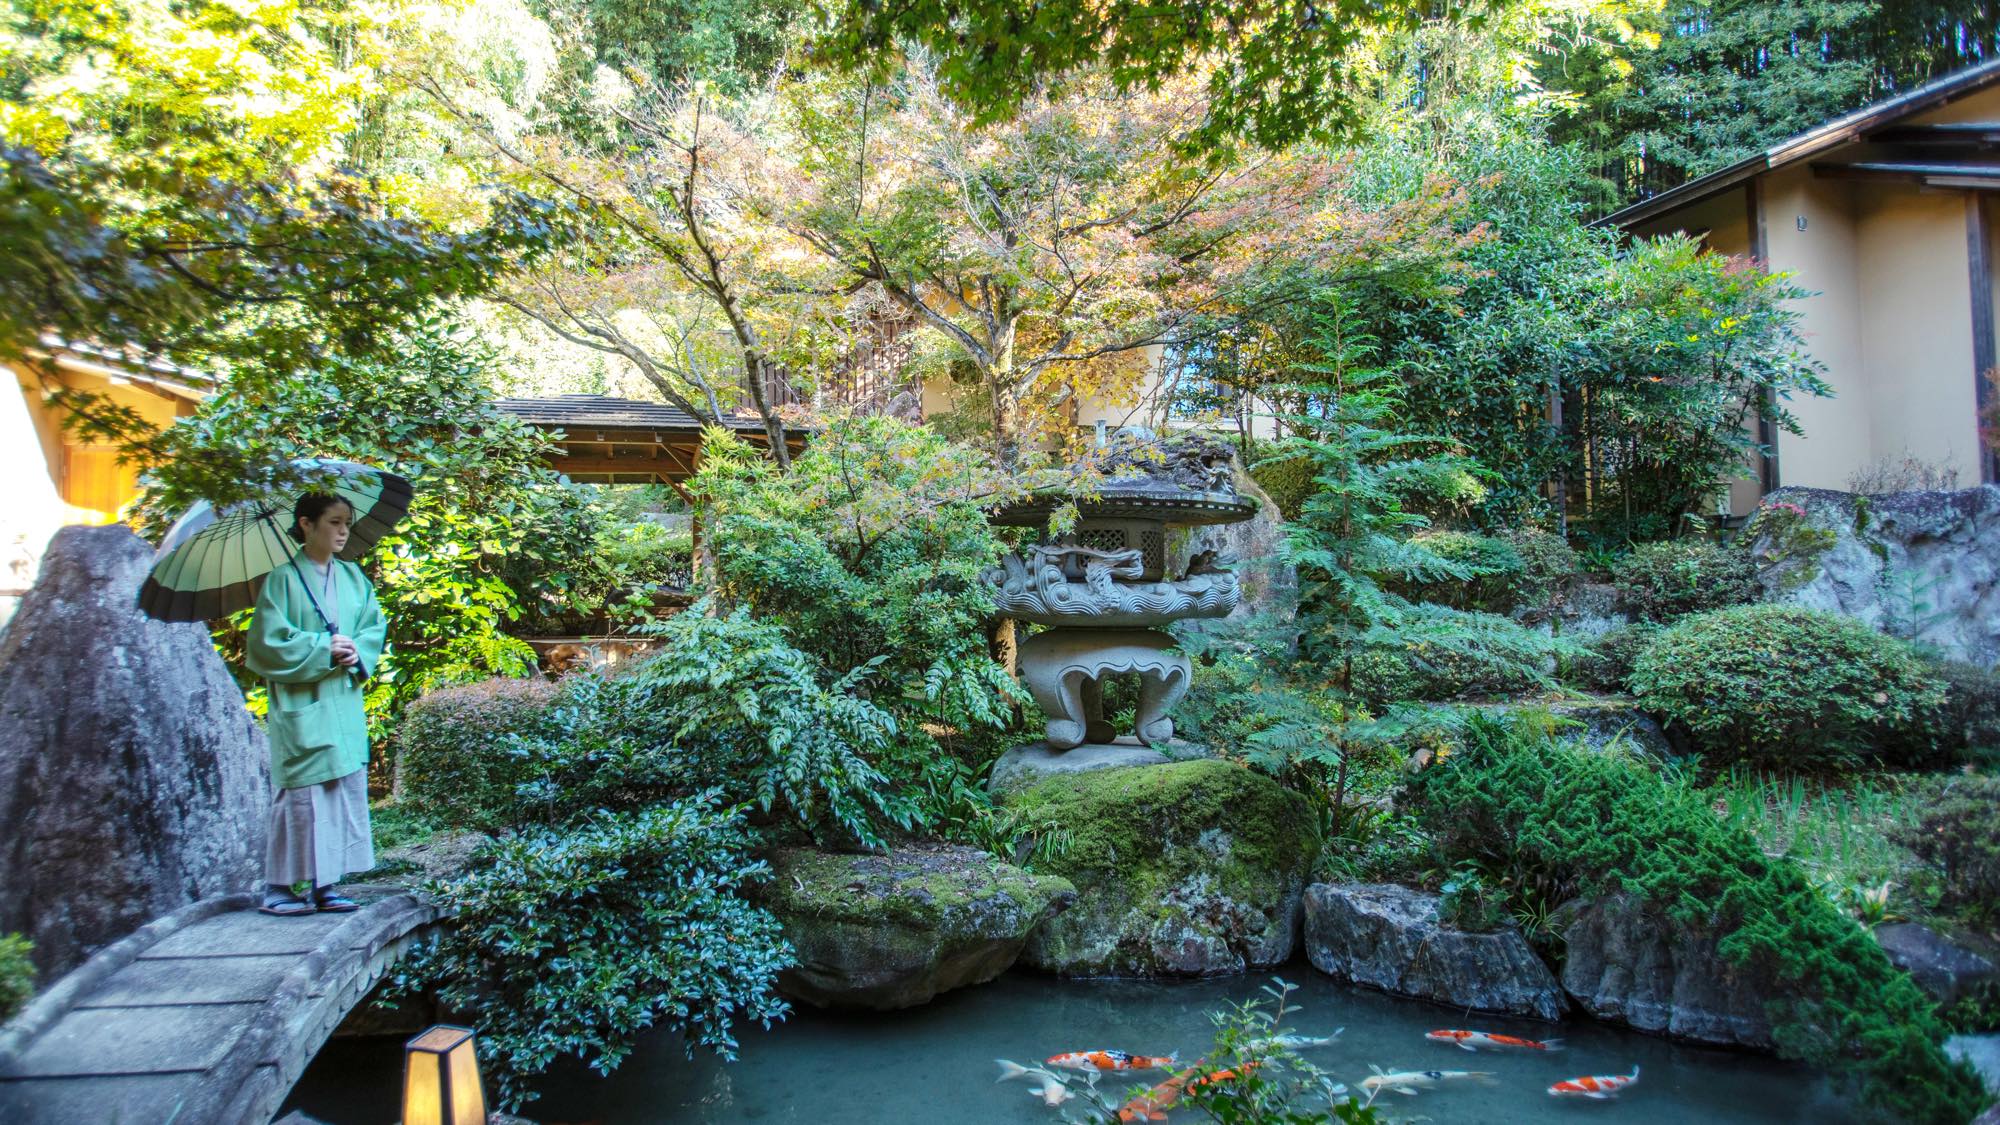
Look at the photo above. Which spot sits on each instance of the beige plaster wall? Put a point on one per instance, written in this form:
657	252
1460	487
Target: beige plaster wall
1916	327
1982	106
1824	258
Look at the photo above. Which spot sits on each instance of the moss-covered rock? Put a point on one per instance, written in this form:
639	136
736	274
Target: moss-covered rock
1188	869
893	931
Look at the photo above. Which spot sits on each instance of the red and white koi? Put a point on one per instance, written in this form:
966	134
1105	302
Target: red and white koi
1154	1103
1049	1086
1599	1086
1486	1040
1107	1059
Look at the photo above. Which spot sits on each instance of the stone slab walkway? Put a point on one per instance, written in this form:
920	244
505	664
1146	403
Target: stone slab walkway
205	1016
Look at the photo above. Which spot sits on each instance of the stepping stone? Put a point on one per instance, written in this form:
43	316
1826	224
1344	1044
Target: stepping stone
135	1041
139	1099
248	932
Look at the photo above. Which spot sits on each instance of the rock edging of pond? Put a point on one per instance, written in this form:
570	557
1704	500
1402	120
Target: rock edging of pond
1389	937
892	931
1629	965
1182	869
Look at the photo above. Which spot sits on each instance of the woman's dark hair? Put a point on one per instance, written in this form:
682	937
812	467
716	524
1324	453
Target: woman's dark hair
311	507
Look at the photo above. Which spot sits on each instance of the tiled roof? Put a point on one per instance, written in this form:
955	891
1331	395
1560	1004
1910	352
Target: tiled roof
605	413
1841	130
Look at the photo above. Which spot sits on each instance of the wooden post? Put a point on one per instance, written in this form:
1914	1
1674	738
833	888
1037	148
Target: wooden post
1979	261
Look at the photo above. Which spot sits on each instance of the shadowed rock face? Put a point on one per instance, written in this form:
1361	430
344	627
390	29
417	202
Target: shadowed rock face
1389	937
1626	964
893	931
1924	566
132	780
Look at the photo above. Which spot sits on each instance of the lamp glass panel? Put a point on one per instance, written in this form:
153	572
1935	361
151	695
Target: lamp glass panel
468	1102
423	1095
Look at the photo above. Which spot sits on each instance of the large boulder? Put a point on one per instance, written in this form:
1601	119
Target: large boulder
1185	869
893	931
1389	937
1628	964
1981	1053
132	780
1941	967
1924	566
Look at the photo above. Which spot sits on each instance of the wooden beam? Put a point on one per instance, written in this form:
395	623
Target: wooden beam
1767	429
1930	174
1979	262
1985	134
577	464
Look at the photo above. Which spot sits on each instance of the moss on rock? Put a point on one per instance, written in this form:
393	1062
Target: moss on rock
892	931
1188	869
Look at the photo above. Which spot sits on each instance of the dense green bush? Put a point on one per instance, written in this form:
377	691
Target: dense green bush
1540	813
1965	728
17	973
1958	835
869	553
1663	581
1784	686
455	758
576	942
1607	659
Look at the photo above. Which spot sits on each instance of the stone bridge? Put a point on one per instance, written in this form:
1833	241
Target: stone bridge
206	1016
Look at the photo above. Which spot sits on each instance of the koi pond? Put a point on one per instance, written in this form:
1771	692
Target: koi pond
937	1063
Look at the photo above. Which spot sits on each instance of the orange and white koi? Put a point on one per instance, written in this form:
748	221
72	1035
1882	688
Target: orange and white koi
1154	1103
1410	1081
1478	1040
1051	1088
1599	1086
1112	1060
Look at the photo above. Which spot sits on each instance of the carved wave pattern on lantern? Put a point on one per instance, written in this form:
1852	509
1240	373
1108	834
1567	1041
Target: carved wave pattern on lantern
1042	588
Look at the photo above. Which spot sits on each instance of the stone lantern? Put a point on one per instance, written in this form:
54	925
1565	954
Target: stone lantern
1105	594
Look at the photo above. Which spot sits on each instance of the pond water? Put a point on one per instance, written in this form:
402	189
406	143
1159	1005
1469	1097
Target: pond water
936	1063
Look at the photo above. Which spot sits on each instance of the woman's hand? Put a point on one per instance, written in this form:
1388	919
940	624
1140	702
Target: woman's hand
344	654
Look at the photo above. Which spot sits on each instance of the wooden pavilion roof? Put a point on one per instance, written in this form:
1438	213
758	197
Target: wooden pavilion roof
608	440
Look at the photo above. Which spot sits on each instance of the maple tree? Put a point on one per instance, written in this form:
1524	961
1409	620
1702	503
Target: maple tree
1052	253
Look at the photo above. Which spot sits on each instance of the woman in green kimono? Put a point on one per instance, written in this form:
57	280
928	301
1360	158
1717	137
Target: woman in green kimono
315	640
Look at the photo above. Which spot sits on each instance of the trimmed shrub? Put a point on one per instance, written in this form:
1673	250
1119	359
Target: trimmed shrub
574	942
1784	686
1958	835
17	973
455	760
1965	728
1407	673
1540	813
1664	581
1548	566
1606	663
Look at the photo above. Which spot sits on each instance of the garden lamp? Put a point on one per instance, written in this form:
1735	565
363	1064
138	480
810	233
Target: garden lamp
441	1079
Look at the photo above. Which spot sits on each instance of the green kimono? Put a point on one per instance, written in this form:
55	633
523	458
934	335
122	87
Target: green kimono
316	724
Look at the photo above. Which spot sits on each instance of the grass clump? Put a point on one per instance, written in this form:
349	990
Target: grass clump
17	973
1585	824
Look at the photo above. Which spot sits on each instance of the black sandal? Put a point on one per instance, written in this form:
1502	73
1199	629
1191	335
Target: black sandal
289	908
